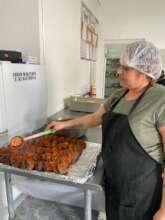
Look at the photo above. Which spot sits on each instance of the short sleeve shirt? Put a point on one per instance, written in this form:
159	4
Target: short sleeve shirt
146	118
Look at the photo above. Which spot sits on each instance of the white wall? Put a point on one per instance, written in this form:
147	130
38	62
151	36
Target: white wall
19	25
129	19
134	19
94	6
21	29
67	74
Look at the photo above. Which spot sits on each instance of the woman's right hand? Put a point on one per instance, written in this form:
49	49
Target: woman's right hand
58	125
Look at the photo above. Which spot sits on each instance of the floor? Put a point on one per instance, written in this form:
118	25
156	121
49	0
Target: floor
35	209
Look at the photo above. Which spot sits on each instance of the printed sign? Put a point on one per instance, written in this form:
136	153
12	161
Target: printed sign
24	76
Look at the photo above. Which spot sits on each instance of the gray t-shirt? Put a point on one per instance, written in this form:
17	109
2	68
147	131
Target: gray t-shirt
146	119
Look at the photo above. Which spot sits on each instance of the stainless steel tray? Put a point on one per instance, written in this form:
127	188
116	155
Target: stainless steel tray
79	172
84	104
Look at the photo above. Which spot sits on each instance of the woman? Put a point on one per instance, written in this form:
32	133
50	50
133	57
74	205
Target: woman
133	127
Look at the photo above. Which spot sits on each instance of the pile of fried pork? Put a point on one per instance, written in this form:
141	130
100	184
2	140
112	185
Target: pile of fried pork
48	153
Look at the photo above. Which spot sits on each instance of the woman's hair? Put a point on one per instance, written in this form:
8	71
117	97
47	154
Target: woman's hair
144	57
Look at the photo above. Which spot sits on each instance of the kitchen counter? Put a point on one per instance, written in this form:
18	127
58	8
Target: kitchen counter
92	135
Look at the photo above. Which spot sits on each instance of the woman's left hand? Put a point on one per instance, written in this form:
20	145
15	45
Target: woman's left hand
159	215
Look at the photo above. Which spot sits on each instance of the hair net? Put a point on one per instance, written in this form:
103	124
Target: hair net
144	57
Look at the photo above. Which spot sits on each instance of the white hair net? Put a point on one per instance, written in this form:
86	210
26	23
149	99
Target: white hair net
144	57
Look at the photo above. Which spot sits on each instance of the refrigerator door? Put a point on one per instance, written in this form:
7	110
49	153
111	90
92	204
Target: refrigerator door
25	95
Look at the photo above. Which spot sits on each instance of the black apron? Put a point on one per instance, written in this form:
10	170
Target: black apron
133	182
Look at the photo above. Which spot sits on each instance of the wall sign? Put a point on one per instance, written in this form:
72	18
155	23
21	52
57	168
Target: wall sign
89	34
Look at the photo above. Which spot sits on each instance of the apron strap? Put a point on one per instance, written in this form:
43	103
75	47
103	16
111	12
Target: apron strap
118	100
135	103
138	100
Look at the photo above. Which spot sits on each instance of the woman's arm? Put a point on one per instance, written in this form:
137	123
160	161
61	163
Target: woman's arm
160	215
87	121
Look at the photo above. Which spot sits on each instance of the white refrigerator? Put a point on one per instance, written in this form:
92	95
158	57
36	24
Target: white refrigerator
23	98
23	107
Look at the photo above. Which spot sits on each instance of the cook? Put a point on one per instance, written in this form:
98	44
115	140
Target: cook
133	130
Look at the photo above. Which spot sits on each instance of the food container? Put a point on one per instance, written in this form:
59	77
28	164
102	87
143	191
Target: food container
84	104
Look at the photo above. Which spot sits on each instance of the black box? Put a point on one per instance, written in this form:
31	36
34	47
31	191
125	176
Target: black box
12	56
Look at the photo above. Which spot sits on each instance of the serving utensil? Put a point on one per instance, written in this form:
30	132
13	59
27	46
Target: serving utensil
16	141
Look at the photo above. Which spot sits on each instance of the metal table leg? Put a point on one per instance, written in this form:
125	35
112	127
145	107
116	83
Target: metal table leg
9	194
88	204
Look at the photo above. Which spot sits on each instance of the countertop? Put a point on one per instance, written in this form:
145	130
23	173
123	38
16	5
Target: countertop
92	134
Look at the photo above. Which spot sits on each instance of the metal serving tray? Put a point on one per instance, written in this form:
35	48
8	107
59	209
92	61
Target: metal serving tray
85	104
79	172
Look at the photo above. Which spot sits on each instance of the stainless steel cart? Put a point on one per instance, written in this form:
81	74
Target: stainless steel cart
94	184
88	187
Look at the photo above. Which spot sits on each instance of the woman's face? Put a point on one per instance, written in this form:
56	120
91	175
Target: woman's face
130	78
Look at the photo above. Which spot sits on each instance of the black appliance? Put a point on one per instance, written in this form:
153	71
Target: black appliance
12	56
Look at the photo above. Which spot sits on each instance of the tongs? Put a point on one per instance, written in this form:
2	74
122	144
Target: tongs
16	141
